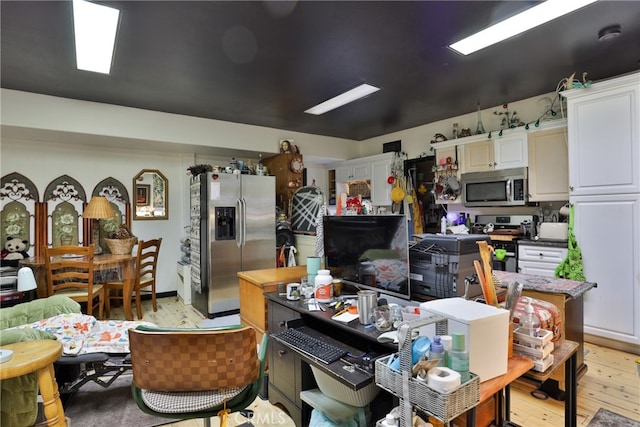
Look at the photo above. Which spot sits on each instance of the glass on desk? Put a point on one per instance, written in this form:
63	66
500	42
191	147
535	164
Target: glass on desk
306	287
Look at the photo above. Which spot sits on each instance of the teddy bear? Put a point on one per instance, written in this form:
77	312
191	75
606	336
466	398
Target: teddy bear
14	250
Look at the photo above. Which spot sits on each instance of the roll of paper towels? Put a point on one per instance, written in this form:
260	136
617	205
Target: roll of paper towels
443	380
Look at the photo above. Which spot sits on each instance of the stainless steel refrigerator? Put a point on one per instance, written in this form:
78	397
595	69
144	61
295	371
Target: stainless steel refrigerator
232	230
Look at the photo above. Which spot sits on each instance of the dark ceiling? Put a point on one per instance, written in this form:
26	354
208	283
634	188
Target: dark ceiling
264	63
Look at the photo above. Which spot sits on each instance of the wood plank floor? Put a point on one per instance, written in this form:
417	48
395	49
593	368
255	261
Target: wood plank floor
611	382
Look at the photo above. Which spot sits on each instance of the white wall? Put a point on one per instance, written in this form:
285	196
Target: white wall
43	162
44	137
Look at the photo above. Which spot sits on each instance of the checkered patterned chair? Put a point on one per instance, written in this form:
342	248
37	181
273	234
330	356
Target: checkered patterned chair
196	373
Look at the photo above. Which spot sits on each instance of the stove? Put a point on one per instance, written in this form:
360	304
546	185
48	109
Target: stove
504	232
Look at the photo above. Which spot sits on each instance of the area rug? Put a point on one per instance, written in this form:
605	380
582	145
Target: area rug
233	319
96	406
606	418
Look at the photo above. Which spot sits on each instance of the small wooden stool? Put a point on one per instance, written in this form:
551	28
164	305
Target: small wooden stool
38	356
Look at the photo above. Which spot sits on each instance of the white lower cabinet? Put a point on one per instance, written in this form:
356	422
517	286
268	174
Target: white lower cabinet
540	260
608	232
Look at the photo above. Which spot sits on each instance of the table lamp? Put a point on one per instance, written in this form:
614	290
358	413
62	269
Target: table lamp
26	280
97	209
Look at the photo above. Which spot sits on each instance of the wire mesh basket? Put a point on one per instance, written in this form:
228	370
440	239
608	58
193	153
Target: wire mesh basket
443	406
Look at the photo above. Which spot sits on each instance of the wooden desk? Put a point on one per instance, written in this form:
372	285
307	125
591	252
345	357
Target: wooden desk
123	263
253	284
38	356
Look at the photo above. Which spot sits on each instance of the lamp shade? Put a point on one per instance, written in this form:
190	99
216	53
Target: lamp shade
98	208
26	280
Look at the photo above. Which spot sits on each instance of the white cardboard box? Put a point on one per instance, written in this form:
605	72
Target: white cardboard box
486	330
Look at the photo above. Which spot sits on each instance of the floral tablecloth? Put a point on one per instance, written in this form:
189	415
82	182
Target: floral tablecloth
82	334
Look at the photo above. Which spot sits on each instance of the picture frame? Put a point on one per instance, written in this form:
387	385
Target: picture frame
142	194
287	146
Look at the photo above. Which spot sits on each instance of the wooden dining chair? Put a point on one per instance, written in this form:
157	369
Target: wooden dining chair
69	272
144	277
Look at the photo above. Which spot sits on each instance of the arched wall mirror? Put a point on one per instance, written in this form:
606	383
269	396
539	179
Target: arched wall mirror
150	195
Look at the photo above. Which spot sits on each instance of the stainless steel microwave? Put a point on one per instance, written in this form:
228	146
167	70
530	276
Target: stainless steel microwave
507	187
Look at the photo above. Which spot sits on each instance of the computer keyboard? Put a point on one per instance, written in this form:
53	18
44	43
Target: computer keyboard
309	345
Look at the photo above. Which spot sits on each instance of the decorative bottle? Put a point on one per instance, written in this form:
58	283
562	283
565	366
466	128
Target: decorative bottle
479	128
459	357
437	351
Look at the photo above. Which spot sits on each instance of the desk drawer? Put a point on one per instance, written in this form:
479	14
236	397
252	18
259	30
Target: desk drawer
284	367
278	314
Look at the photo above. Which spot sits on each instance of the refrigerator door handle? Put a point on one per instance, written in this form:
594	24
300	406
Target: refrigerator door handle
239	222
242	229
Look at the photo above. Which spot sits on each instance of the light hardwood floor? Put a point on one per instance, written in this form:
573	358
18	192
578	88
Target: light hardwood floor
611	382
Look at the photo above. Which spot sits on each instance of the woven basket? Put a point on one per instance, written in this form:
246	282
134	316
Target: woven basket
121	246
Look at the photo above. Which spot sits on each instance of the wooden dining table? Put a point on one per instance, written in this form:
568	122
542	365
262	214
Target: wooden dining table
124	265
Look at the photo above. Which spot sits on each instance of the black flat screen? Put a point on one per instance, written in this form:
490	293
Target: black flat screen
369	251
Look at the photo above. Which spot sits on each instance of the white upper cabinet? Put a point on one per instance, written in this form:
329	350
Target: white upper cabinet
478	156
510	152
353	171
604	137
380	187
548	165
502	153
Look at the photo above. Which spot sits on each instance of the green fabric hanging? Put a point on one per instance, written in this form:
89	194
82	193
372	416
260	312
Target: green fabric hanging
571	266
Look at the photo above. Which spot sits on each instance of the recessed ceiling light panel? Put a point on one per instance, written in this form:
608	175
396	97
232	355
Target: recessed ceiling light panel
95	29
342	99
530	18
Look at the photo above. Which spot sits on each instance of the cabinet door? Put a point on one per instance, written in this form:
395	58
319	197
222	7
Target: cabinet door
551	255
548	165
536	268
510	152
361	171
478	156
610	256
380	188
342	173
604	137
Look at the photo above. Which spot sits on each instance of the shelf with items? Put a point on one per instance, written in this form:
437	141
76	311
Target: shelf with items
446	181
288	170
414	393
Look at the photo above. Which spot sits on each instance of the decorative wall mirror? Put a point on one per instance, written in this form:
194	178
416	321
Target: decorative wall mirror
150	195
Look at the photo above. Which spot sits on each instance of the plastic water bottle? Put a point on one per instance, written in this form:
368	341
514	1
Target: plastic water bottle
443	225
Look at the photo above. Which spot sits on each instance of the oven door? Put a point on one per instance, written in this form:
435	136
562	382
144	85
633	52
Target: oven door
507	264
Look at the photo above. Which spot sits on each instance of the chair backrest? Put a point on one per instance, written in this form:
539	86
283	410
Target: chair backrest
147	259
178	360
69	267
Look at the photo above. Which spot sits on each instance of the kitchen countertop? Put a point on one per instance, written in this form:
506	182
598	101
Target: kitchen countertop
547	243
555	285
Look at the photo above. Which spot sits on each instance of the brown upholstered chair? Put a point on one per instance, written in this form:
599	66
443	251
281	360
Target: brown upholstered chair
196	373
70	273
145	276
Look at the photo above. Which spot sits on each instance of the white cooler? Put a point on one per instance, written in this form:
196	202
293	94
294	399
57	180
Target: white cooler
486	330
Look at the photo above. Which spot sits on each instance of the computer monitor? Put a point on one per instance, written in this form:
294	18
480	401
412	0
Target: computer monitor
369	252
